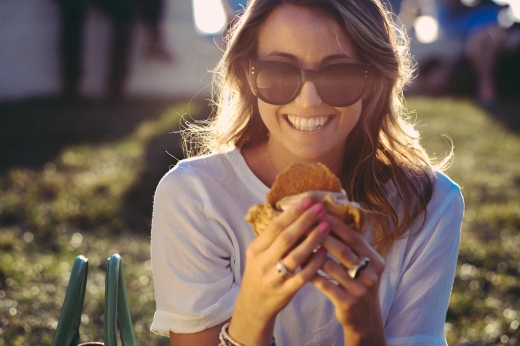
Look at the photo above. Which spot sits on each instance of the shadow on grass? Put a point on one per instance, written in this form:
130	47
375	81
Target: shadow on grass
35	132
136	209
161	154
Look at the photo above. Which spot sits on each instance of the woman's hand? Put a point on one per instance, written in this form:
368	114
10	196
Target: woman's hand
356	300
264	291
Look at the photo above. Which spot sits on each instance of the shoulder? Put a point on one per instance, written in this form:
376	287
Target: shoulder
445	183
188	171
445	210
445	189
205	180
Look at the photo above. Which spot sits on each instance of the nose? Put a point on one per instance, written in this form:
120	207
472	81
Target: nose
308	97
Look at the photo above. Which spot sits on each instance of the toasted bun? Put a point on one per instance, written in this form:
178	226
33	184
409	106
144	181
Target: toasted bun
298	182
303	177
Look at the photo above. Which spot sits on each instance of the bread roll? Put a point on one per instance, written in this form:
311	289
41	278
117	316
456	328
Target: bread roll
298	182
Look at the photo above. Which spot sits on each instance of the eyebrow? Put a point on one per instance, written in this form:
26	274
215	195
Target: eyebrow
324	61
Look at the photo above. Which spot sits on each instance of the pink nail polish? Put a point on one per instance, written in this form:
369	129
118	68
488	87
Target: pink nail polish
307	203
323	227
322	252
318	208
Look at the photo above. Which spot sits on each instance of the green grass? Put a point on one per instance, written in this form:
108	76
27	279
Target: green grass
486	296
81	202
92	195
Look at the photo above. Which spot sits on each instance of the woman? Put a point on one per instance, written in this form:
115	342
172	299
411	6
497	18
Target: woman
312	81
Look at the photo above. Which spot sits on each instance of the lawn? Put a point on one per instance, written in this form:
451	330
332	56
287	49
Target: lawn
79	179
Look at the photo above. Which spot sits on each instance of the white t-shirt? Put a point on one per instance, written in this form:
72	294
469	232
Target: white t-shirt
198	244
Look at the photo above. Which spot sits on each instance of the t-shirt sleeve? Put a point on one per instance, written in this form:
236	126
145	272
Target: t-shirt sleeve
193	281
418	312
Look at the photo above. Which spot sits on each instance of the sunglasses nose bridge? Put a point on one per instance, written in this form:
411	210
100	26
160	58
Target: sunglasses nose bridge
308	76
309	96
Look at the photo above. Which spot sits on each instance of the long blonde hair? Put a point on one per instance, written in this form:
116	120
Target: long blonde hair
383	148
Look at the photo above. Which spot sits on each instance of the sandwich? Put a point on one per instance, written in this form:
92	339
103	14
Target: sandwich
298	182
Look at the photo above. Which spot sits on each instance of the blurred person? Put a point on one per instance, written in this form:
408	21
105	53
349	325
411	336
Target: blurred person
306	81
151	14
122	13
477	28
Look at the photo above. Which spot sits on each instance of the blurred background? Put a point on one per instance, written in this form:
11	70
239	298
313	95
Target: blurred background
91	97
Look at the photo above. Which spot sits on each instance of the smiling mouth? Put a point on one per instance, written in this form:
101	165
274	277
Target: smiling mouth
306	123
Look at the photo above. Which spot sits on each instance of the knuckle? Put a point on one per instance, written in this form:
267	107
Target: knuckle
309	217
361	292
327	265
345	305
320	284
275	227
285	239
251	251
290	263
355	240
345	253
299	280
371	280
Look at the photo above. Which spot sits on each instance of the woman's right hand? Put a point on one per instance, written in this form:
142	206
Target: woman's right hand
264	292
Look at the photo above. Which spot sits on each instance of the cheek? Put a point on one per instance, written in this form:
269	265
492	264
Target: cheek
267	112
351	115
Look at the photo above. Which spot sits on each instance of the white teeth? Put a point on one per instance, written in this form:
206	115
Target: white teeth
307	124
297	122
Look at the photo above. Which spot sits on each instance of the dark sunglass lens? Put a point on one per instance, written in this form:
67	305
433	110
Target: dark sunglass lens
277	84
341	85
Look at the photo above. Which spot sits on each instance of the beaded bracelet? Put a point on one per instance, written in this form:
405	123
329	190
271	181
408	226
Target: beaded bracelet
226	340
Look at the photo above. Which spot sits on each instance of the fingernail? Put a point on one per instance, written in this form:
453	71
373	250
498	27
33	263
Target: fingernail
318	208
307	203
322	252
323	227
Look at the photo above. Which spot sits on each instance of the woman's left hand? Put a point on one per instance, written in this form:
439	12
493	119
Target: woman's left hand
356	300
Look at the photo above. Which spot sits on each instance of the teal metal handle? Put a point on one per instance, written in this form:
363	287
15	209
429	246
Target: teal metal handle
67	332
116	305
117	310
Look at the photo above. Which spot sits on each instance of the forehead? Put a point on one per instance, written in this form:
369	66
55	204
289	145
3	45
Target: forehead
309	35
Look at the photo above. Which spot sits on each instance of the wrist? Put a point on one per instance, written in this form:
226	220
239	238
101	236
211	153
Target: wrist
227	340
247	331
247	313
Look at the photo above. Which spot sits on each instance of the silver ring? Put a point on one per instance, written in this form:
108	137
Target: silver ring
355	272
317	248
282	269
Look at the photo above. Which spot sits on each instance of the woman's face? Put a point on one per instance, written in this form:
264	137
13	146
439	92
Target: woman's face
307	128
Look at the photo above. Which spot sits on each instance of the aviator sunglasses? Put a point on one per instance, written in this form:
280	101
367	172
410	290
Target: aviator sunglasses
279	83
